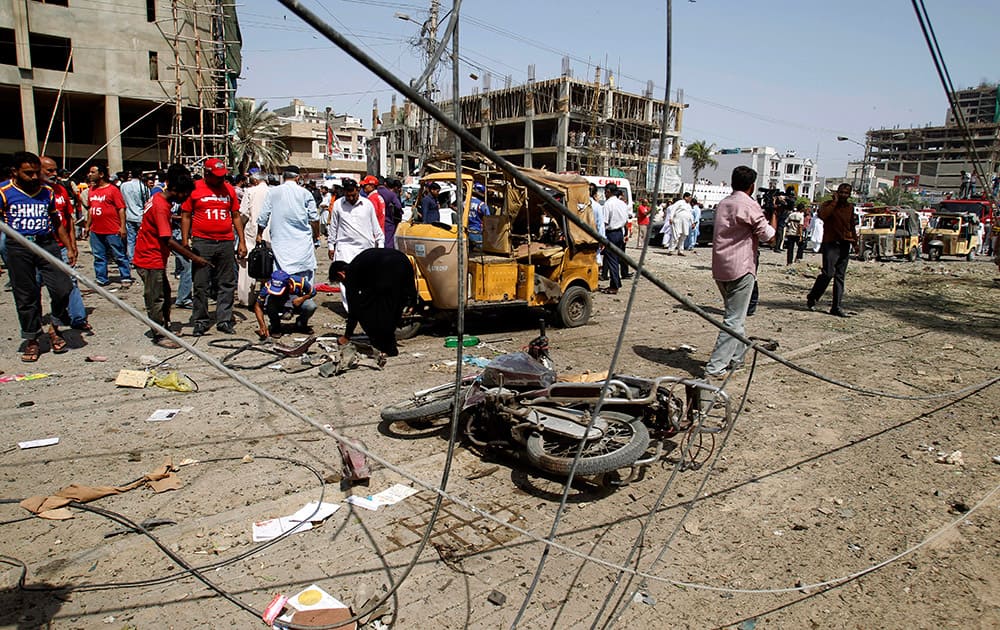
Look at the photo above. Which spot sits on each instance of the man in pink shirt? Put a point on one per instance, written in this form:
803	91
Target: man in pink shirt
739	225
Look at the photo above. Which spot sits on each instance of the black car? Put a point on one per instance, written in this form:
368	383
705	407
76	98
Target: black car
705	229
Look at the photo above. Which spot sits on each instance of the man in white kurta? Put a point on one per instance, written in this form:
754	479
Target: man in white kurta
353	228
680	224
669	236
290	213
250	207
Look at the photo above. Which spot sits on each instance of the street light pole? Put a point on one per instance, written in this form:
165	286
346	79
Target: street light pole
864	165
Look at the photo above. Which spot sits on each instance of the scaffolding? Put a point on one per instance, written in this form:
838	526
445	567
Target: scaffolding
205	39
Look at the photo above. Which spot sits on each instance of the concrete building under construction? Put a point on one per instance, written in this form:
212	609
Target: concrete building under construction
137	85
562	124
931	158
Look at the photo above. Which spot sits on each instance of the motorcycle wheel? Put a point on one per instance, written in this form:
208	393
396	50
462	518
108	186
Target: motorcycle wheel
432	405
625	440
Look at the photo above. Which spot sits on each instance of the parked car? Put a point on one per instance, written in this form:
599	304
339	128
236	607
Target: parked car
705	229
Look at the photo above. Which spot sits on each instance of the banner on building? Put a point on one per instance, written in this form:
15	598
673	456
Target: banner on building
905	181
670	178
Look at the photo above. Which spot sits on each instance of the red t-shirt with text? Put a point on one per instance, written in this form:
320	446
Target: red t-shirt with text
60	199
105	202
212	211
151	252
643	215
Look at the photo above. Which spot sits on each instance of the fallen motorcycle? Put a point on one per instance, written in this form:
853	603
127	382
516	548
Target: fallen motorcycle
517	406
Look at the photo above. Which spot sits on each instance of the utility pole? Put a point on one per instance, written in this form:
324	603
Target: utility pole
427	122
327	141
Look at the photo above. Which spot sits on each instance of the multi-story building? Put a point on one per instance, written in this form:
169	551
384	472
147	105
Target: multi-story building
135	84
774	170
930	159
303	130
562	124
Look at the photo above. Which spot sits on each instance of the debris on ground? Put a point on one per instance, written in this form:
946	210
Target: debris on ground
390	496
37	443
954	459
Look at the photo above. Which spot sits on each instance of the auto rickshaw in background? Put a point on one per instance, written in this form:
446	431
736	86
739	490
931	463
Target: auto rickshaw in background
887	234
530	256
952	234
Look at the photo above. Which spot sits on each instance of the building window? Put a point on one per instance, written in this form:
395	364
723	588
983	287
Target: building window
792	169
60	3
154	66
8	48
150	10
808	172
805	190
50	52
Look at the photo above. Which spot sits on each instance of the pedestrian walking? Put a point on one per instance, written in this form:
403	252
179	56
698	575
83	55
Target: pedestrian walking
63	201
838	236
27	207
106	226
136	194
740	225
794	234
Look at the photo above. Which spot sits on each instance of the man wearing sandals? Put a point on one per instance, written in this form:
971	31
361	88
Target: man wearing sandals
27	206
153	244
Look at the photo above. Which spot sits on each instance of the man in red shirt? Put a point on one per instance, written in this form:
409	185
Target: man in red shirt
106	225
208	220
643	221
64	206
370	184
153	245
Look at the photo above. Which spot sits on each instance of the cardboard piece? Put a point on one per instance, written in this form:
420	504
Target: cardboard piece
170	482
325	618
132	378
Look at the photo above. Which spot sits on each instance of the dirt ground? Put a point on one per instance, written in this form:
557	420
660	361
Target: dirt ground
816	482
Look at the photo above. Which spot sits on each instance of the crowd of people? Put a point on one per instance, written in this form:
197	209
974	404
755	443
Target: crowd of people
137	221
208	222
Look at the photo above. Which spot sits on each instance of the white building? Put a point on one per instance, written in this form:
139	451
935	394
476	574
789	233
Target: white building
774	170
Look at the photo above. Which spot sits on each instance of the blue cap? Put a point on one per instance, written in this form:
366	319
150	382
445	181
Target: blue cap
279	283
479	188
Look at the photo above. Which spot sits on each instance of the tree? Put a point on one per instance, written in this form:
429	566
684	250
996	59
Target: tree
255	140
700	155
896	197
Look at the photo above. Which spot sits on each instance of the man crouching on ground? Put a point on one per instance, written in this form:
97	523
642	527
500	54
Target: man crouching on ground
284	292
153	245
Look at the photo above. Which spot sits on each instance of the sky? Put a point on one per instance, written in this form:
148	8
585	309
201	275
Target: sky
790	74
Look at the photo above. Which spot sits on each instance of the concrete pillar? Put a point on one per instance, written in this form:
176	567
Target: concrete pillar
529	126
485	118
562	126
113	127
28	126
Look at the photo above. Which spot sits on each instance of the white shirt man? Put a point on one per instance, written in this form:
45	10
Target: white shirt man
354	226
250	207
290	213
670	234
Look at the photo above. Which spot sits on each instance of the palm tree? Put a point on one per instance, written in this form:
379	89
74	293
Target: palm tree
700	154
255	140
896	197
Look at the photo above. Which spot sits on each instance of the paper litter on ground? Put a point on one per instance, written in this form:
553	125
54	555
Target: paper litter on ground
390	496
272	528
37	443
161	415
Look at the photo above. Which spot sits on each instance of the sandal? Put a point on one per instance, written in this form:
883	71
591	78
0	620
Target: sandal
58	343
31	352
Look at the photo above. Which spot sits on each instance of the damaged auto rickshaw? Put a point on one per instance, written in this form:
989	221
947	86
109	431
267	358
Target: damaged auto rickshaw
953	234
886	234
530	256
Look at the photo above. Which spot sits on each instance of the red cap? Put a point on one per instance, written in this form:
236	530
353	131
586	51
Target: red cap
370	179
216	167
